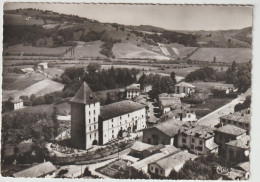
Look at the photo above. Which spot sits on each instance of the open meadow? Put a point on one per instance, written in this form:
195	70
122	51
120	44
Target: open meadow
227	55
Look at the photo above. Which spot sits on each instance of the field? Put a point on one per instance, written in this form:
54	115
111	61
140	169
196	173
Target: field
12	81
34	51
15	19
240	55
210	105
205	87
113	168
31	84
53	72
131	51
90	50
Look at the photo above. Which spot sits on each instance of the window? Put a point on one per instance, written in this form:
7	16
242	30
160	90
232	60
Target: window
161	171
128	115
120	117
94	126
192	140
89	121
200	142
199	148
94	112
247	125
192	146
90	136
240	124
112	126
89	112
188	115
112	131
112	120
90	128
94	119
151	168
184	140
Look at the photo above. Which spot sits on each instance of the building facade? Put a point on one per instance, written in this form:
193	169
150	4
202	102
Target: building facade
240	119
132	91
92	124
198	140
185	88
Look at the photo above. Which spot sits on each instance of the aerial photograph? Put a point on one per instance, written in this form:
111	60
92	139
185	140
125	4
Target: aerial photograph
126	91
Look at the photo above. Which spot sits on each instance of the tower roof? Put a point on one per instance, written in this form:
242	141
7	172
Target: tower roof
84	95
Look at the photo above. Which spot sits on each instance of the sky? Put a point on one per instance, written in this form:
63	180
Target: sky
172	17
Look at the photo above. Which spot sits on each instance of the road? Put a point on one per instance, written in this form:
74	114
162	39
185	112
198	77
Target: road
212	118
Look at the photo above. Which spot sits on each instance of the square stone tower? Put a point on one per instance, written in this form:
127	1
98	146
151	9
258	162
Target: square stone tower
85	110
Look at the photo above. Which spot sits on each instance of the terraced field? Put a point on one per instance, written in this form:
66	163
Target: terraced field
240	55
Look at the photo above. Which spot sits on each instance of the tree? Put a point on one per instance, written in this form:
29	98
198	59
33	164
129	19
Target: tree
214	59
173	77
93	67
244	105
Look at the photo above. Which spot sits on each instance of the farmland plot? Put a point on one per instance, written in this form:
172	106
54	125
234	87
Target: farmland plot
240	55
35	51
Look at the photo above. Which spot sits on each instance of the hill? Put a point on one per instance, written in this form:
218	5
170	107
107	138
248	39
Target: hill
29	30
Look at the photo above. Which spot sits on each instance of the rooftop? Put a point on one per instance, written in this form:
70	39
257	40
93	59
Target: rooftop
240	116
184	84
200	131
36	171
173	160
240	143
17	100
134	86
84	95
170	127
119	108
172	102
140	146
142	163
169	149
245	166
231	129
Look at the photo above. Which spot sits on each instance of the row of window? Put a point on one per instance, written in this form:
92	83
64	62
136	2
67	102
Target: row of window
192	140
156	170
90	127
95	135
94	120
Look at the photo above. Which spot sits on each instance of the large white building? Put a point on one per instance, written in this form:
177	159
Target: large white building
184	88
133	90
92	124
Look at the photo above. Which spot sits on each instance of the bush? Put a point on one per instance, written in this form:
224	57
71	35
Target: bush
87	172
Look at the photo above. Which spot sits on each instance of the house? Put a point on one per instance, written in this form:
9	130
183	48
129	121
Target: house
165	133
142	165
240	119
132	90
163	167
42	66
227	88
182	114
184	88
92	124
238	150
27	70
166	101
157	154
16	104
45	169
138	149
227	133
198	139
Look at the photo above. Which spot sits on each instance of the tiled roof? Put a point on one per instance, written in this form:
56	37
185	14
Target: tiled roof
176	112
200	131
134	86
241	116
171	161
84	95
169	149
231	129
240	143
143	163
36	171
166	103
184	84
170	128
140	146
119	108
211	146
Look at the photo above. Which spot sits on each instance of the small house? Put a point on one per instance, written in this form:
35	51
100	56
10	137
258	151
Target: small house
42	66
132	90
184	88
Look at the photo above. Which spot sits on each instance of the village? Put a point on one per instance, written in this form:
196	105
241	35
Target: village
136	140
104	100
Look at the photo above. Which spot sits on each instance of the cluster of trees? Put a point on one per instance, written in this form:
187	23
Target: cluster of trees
13	70
97	79
106	48
20	126
203	74
160	84
246	104
237	74
92	35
